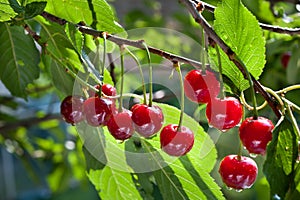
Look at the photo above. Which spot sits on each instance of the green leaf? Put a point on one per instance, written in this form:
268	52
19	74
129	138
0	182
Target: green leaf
19	59
281	156
188	176
240	30
114	184
33	9
6	11
185	177
56	43
97	13
14	4
61	80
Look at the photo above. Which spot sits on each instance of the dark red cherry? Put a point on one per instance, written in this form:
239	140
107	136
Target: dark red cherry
120	125
255	134
147	120
107	89
238	172
285	59
176	142
71	109
200	87
98	110
224	114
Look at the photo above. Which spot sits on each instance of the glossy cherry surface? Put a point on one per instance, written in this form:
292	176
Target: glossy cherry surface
200	87
255	134
224	114
107	89
98	110
176	143
238	172
71	109
147	120
120	125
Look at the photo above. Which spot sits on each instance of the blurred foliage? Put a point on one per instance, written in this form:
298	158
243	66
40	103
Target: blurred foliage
45	155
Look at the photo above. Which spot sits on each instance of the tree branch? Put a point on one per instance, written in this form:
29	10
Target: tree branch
27	123
121	41
268	27
230	53
172	57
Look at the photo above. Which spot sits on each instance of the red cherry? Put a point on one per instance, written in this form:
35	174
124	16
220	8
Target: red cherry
147	120
176	143
238	172
98	110
71	109
224	114
107	89
201	88
120	125
285	59
255	134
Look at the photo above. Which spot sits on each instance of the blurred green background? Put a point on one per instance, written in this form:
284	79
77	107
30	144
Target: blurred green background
42	159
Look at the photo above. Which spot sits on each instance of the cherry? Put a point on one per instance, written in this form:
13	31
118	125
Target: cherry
107	89
238	172
120	125
255	134
71	109
98	110
224	114
176	142
147	120
201	88
285	59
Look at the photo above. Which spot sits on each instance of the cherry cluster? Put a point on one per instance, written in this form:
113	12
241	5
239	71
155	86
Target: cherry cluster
223	113
144	119
238	172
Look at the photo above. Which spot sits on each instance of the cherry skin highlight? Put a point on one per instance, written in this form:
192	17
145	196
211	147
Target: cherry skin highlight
107	89
201	88
147	120
120	125
224	114
71	109
98	110
176	142
255	134
238	172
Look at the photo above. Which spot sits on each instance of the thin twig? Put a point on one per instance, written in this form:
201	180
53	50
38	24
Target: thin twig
268	27
230	53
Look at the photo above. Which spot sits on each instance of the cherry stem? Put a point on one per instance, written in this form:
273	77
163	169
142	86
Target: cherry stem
122	78
103	63
124	95
240	150
293	105
203	67
290	88
249	107
222	95
141	73
255	113
150	74
177	67
277	97
294	122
